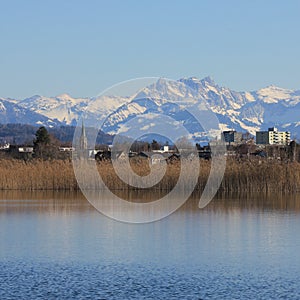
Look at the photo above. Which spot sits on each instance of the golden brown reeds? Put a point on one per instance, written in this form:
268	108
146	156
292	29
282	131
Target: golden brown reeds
36	175
248	176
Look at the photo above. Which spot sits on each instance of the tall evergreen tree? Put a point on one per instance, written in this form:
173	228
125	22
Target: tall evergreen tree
42	136
44	147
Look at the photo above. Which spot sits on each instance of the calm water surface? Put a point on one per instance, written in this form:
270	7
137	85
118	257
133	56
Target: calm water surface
56	246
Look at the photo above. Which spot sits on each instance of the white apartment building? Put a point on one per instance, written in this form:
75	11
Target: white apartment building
273	137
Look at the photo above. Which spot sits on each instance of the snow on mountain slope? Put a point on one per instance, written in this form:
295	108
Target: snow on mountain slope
171	91
103	105
13	113
246	111
218	98
2	107
165	97
62	107
68	110
274	94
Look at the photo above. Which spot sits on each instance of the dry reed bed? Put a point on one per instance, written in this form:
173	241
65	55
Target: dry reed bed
248	176
37	175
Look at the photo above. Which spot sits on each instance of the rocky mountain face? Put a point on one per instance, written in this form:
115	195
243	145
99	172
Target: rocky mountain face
242	111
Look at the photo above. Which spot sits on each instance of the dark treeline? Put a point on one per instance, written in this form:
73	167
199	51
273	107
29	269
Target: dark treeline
17	133
22	134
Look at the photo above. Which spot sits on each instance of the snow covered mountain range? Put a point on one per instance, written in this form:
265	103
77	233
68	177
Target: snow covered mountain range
242	111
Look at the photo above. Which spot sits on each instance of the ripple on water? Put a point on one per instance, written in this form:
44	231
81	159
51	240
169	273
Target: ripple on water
120	281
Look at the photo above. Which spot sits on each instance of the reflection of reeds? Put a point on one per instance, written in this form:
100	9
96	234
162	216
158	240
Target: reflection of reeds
249	176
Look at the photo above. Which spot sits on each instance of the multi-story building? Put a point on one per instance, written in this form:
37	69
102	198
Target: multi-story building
273	137
232	136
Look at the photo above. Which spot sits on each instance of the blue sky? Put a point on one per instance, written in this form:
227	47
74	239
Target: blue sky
83	47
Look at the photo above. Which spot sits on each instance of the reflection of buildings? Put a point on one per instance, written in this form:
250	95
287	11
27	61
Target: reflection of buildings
273	137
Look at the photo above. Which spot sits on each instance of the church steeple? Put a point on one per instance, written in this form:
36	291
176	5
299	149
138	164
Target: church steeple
83	139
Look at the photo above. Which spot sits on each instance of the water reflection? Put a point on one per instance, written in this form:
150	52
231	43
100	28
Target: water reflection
42	202
56	245
259	201
67	201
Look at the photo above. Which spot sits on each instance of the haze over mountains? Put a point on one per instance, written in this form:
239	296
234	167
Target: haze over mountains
243	111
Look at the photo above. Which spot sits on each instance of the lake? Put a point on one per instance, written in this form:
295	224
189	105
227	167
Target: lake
55	245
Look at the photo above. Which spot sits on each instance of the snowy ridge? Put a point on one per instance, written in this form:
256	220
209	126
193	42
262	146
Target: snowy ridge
14	113
246	111
67	110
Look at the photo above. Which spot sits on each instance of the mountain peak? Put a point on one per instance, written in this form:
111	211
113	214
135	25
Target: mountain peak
195	82
239	110
208	80
274	94
64	96
193	78
32	98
